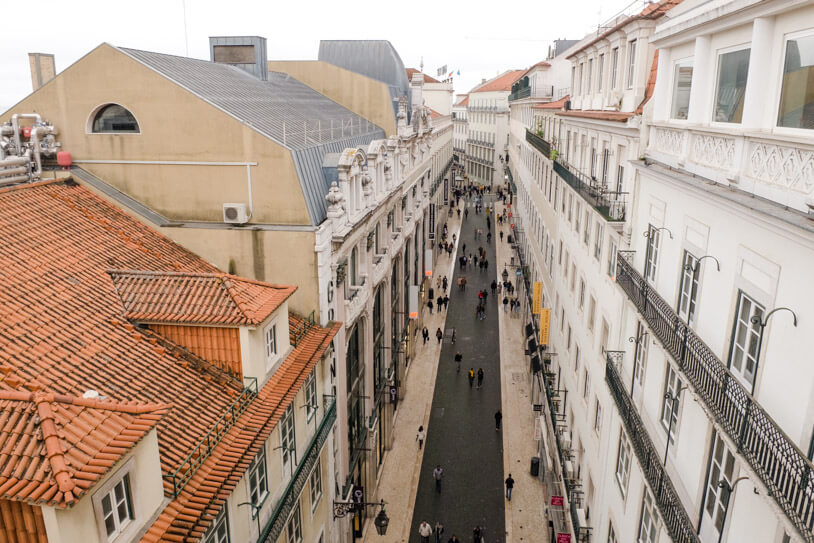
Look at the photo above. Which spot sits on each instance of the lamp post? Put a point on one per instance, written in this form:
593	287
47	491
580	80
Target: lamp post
727	490
755	319
381	521
674	399
255	514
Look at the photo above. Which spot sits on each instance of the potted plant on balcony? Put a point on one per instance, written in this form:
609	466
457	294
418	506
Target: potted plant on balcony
554	154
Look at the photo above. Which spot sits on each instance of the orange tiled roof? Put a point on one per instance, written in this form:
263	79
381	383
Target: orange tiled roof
196	298
464	101
559	104
61	317
541	64
653	11
651	83
434	114
503	82
191	512
53	447
599	115
427	78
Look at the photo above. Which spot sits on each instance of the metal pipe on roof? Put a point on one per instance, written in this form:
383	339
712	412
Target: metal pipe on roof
14	171
12	180
16	125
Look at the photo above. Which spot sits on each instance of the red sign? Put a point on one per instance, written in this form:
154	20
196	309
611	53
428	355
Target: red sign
557	500
563	538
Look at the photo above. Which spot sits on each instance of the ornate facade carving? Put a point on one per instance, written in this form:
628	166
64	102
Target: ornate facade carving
715	151
667	140
789	167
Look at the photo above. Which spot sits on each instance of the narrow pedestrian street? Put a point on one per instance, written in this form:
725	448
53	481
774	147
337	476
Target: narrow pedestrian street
461	434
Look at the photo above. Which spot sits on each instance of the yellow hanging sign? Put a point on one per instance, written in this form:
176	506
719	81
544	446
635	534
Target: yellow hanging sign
537	298
545	323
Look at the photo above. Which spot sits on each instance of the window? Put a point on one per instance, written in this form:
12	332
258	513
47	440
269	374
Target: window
745	335
293	528
797	93
573	276
271	343
603	339
576	355
576	217
219	530
647	525
631	63
600	72
311	404
581	74
611	534
612	258
113	118
315	483
258	483
568	344
640	353
733	69
593	159
586	384
620	177
587	229
590	73
623	463
688	289
581	293
653	243
721	468
354	257
287	439
591	313
598	240
681	89
115	507
597	416
671	403
614	66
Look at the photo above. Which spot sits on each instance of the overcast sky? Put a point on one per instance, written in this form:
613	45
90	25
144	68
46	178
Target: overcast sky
480	38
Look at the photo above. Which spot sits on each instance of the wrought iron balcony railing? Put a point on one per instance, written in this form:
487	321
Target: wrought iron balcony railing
538	143
774	457
610	204
280	513
203	450
521	93
673	514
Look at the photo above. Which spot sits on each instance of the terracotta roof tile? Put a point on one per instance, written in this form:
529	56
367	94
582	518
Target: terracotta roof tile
196	298
503	82
651	83
559	104
434	114
616	116
464	101
51	445
427	78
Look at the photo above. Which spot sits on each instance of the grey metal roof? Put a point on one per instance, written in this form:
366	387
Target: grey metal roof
282	109
377	59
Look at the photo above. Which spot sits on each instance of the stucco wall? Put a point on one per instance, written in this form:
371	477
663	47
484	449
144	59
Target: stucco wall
362	95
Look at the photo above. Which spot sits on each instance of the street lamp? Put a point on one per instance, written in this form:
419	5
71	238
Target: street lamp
342	508
727	490
762	323
255	514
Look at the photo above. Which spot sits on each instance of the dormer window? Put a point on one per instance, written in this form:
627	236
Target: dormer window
114	508
114	119
631	63
271	344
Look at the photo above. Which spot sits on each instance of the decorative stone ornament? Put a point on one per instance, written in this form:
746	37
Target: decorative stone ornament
340	272
371	238
335	199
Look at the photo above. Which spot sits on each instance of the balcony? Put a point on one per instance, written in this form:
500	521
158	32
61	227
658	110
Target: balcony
280	513
675	517
521	93
481	143
538	143
776	460
610	205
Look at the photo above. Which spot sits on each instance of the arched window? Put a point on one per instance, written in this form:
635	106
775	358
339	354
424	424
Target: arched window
114	118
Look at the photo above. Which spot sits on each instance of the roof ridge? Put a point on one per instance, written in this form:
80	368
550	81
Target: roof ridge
38	394
30	185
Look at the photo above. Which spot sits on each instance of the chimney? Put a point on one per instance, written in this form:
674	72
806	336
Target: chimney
416	90
245	52
43	69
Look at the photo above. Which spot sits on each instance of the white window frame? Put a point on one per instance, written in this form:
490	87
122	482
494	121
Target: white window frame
654	245
221	520
587	228
717	82
670	410
640	353
598	240
257	476
293	527
611	533
612	258
721	466
649	520
614	67
311	403
315	485
677	66
597	416
751	335
271	344
623	459
586	384
781	72
688	287
601	70
581	297
288	441
591	313
124	531
631	63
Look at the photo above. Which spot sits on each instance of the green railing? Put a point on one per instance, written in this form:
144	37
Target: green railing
610	205
194	460
302	329
538	143
525	92
288	500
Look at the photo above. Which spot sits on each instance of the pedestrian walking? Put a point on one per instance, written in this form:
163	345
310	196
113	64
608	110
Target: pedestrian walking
505	304
425	333
431	293
438	474
446	302
493	286
477	535
440	335
466	213
489	237
511	305
445	283
517	306
439	531
425	531
498	419
439	303
509	487
429	305
471	376
454	539
458	358
501	235
420	437
480	377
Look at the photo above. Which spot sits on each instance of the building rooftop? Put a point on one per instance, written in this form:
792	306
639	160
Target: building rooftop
427	78
464	100
558	104
598	115
196	298
63	334
503	82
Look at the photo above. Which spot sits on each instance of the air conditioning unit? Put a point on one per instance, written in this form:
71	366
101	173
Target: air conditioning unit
235	214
